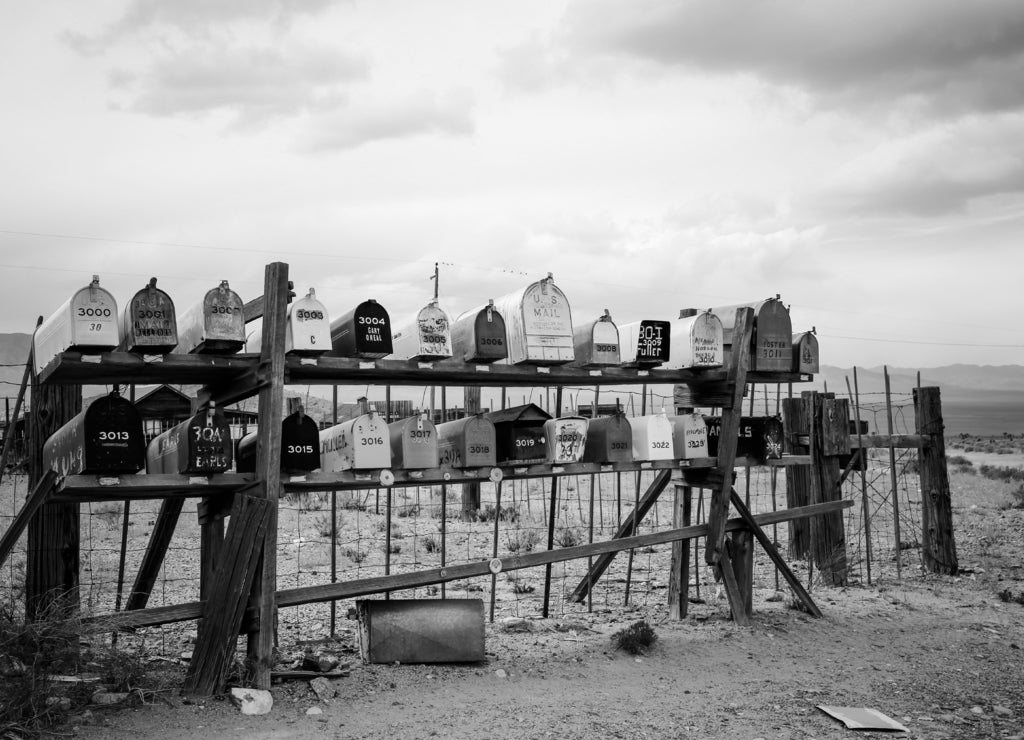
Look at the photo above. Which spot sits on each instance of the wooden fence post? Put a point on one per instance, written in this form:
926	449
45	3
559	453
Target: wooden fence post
679	571
938	546
828	424
798	477
471	491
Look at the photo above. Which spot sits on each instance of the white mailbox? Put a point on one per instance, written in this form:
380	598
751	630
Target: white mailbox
652	437
697	341
307	332
213	325
538	324
596	343
645	343
413	443
362	443
426	337
566	439
689	436
149	324
87	322
479	335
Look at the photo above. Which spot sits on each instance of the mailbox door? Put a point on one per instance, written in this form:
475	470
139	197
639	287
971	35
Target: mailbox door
652	437
654	341
520	442
207	447
433	328
597	344
689	436
467	443
413	444
309	327
300	444
566	439
486	342
539	325
773	338
805	353
94	320
609	440
149	323
371	447
697	341
113	436
759	437
364	332
223	323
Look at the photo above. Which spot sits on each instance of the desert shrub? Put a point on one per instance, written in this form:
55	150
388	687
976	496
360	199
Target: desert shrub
998	472
522	539
568	537
506	514
521	585
960	463
354	554
322	524
431	543
635	639
407	511
1009	597
1017	498
394	549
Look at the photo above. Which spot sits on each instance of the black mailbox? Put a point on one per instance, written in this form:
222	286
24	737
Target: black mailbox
105	438
519	432
300	446
363	332
200	445
609	440
760	437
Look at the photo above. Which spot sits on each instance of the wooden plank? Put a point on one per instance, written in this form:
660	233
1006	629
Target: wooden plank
156	550
225	608
741	552
36	498
754	524
739	364
938	546
109	368
81	488
679	570
626	527
726	570
828	533
835	426
882	441
798	479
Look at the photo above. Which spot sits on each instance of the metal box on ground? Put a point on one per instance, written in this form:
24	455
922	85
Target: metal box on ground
609	440
307	332
214	325
421	630
87	322
519	432
566	438
362	443
149	324
363	332
805	353
596	343
413	443
479	335
652	437
104	438
200	445
759	437
689	436
646	343
426	338
697	341
538	324
467	443
771	344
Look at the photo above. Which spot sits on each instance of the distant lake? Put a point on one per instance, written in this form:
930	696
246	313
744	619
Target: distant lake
990	415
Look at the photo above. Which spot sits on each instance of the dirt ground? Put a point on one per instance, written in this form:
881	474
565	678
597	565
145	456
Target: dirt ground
940	654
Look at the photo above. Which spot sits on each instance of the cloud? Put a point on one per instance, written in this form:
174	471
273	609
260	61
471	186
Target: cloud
419	114
944	55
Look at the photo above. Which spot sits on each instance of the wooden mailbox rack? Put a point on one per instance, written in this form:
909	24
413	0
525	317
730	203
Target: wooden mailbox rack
246	598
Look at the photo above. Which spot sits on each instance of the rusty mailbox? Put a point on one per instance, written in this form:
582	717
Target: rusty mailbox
86	322
759	437
307	331
646	343
689	436
596	343
362	443
566	438
214	325
105	438
609	440
413	443
149	324
200	445
652	437
479	335
805	353
300	446
697	341
519	432
538	324
467	443
426	337
771	343
363	332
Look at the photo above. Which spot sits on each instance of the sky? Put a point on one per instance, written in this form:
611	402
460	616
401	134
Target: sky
862	160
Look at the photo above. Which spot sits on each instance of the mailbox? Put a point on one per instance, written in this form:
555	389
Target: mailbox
609	440
363	332
300	446
646	343
427	337
538	324
566	438
519	432
362	443
413	443
771	348
697	341
87	322
479	335
596	344
105	438
689	436
200	445
759	437
307	331
148	324
467	443
805	353
652	437
214	325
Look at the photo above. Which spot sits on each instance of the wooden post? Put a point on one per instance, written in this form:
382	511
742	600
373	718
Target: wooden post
159	540
679	573
865	509
551	516
938	546
798	477
9	429
829	426
892	477
471	491
268	466
741	551
52	562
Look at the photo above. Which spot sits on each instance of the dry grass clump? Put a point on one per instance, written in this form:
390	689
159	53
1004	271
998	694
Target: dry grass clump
636	639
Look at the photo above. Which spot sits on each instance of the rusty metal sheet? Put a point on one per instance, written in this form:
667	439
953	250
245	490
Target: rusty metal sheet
421	630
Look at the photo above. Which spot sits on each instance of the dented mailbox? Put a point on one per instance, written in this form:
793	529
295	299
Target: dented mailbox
479	335
300	446
689	436
467	443
106	438
697	341
149	324
646	343
771	343
361	443
307	331
596	343
652	437
759	437
413	443
200	445
364	332
609	440
520	434
87	322
427	337
214	325
805	353
566	438
538	324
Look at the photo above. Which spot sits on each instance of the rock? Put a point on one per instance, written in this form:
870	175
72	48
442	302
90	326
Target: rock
108	697
252	701
60	703
516	624
323	689
1002	711
500	673
314	711
977	710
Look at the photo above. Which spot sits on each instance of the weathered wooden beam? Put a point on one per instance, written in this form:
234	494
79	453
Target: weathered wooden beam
9	432
679	570
726	569
938	545
882	441
108	368
798	478
156	550
828	534
82	488
36	498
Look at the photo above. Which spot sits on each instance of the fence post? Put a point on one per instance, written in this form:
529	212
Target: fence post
829	426
938	546
798	477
